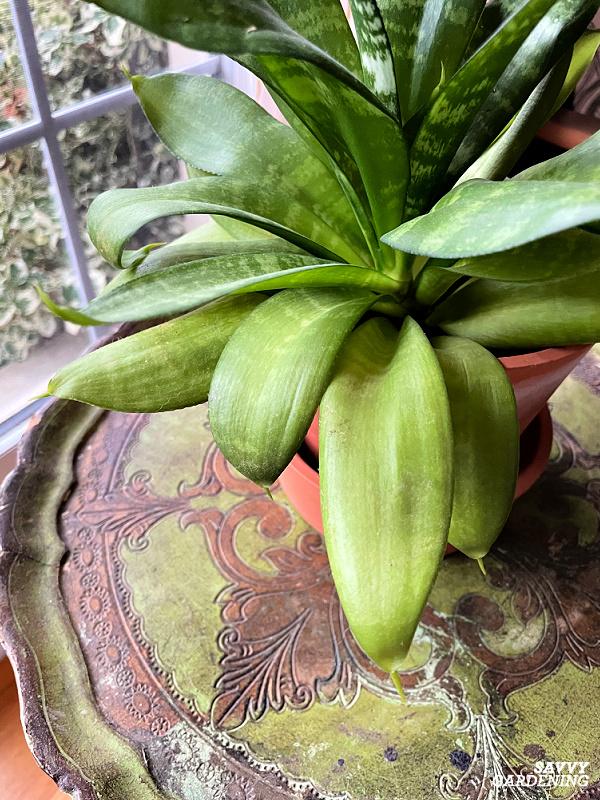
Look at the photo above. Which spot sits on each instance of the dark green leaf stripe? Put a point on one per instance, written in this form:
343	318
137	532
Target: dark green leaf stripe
375	52
499	159
162	368
554	34
427	36
524	315
116	215
366	144
186	111
386	482
272	374
563	255
189	285
486	443
454	107
229	26
481	217
324	23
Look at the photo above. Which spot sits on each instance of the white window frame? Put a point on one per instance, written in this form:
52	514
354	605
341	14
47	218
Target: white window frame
44	127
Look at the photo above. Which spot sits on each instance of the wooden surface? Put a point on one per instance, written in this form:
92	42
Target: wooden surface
20	776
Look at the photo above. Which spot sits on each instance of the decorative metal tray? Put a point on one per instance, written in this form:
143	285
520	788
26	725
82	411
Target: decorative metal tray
176	634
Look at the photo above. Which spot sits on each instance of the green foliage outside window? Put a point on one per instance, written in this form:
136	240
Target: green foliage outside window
82	50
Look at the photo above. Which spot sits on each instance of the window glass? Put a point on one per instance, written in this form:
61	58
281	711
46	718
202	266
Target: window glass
115	151
14	103
82	49
31	254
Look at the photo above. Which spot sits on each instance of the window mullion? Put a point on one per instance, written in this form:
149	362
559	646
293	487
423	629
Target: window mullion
55	167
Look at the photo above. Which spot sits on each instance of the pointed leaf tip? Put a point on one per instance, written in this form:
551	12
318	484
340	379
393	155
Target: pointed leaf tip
481	566
395	676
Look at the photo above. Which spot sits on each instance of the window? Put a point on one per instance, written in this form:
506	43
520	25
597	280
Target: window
69	128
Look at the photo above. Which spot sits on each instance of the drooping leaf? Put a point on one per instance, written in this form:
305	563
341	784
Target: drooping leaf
524	315
186	111
207	240
195	283
273	372
486	443
563	255
165	367
375	52
499	159
553	36
481	217
386	458
116	215
454	107
426	36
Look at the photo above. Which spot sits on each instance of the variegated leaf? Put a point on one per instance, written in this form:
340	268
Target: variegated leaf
451	112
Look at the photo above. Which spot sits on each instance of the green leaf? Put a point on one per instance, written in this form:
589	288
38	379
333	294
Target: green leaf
195	283
340	112
165	367
273	372
450	114
499	159
581	164
324	23
486	443
375	52
563	255
232	27
481	217
433	282
386	482
524	315
428	40
552	36
116	215
186	111
583	55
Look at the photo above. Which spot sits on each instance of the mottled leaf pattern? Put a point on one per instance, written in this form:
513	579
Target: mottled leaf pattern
563	255
375	51
499	159
116	215
524	315
165	367
451	112
187	113
273	372
481	217
192	284
562	24
428	40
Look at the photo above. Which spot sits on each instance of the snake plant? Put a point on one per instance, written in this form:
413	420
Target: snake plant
369	259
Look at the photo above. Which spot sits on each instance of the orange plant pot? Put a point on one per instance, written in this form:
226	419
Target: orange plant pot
534	376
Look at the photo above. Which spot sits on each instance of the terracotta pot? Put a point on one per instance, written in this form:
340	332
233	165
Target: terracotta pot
535	377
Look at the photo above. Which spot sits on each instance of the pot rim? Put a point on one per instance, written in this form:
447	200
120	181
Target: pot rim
548	355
